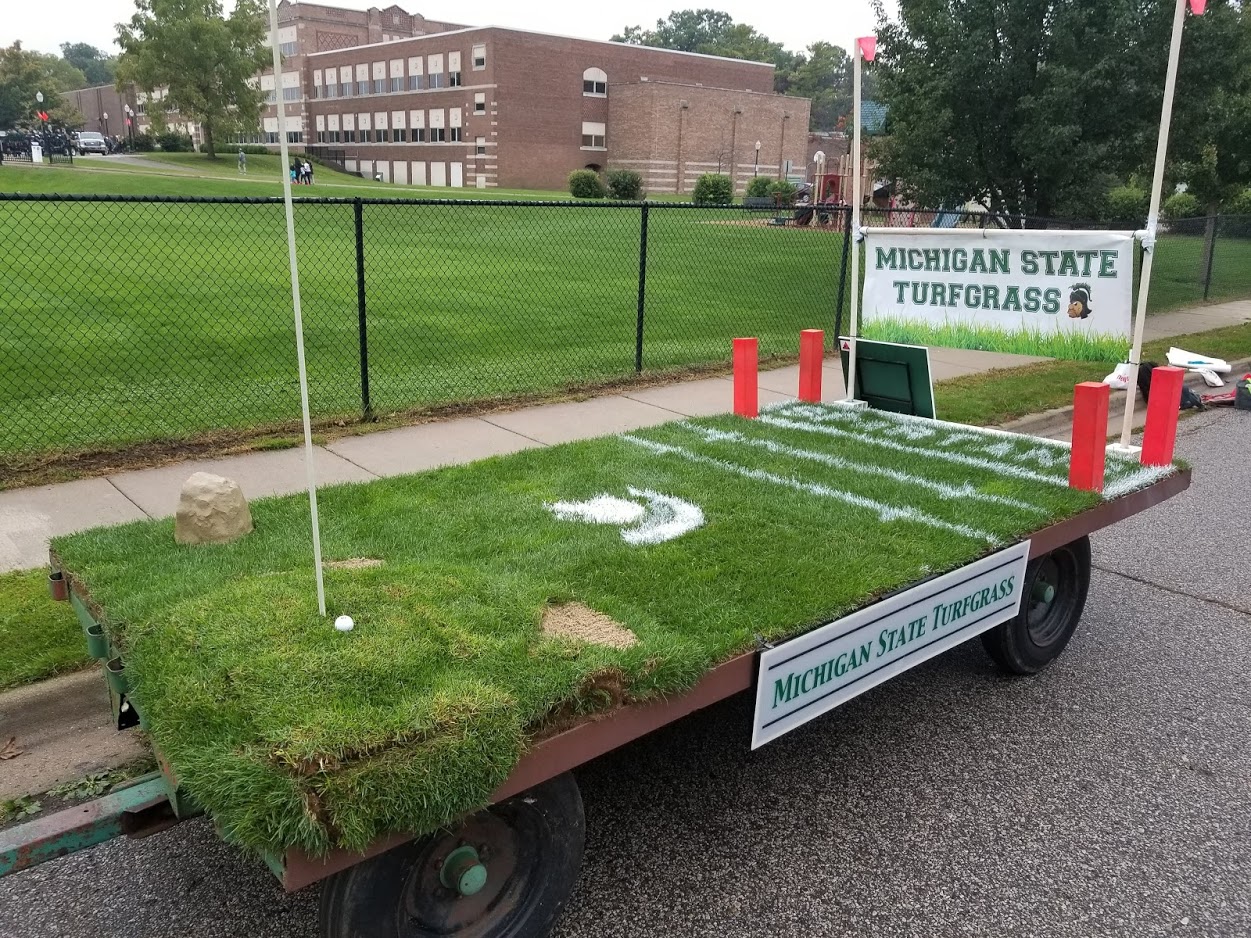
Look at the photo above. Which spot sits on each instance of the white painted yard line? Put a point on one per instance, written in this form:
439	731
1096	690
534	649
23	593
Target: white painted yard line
989	464
942	489
1140	478
885	512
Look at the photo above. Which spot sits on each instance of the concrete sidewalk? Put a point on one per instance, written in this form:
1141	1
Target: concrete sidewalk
30	516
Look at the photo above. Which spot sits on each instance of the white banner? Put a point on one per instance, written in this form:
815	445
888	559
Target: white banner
813	674
1062	294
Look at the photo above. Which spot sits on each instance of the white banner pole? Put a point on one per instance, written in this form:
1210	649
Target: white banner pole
1153	214
856	196
295	300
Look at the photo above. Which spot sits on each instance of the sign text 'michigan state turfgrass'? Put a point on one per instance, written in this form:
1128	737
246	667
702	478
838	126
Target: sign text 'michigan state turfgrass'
1061	294
701	537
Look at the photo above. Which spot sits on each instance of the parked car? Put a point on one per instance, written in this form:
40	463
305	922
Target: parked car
88	141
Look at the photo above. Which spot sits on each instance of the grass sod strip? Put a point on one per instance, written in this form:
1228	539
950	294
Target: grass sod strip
1044	343
292	734
37	638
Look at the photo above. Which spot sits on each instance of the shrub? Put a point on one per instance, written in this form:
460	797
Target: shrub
625	184
1126	204
144	143
1239	204
760	187
713	189
174	143
586	184
1181	205
249	148
783	190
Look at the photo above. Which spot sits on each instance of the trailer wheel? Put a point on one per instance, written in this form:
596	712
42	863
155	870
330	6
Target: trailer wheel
1055	594
504	872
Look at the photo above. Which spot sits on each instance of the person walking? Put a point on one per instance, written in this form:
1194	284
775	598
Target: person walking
243	162
308	173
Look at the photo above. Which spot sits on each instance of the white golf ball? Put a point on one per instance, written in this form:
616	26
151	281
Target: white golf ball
344	623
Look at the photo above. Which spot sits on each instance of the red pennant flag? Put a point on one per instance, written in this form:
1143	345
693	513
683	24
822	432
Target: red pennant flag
1198	6
868	44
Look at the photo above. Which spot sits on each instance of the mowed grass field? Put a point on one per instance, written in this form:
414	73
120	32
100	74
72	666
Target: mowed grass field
293	734
130	322
139	321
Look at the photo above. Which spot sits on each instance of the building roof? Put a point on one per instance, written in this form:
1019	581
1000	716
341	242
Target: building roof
534	32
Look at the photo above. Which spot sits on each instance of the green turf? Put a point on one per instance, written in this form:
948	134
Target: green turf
1064	345
290	733
37	637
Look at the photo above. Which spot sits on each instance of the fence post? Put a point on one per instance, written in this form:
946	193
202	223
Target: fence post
842	272
638	336
1209	247
358	214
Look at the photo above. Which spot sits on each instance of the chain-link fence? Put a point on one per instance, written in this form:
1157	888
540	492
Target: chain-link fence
141	319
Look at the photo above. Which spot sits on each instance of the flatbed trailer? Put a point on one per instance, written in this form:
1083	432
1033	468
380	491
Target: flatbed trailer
508	869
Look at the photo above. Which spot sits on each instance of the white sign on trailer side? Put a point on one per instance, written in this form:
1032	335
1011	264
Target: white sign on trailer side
813	674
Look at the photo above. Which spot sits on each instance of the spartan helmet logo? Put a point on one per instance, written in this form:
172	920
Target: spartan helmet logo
1079	301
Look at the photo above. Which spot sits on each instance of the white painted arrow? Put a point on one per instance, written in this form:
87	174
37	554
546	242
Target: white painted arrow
663	518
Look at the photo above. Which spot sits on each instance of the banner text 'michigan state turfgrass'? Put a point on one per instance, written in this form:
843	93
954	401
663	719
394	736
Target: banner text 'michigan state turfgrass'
1060	294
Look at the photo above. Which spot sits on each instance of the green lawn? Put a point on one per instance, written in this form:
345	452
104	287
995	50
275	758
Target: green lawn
291	733
38	637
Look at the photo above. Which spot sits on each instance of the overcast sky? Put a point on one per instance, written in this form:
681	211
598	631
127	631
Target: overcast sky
45	25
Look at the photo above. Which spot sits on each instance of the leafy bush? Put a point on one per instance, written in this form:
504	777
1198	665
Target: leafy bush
625	184
760	187
255	148
175	143
586	184
144	143
1181	205
713	189
1126	204
1239	204
783	190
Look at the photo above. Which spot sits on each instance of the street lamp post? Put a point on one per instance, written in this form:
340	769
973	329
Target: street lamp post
756	168
43	124
130	124
105	115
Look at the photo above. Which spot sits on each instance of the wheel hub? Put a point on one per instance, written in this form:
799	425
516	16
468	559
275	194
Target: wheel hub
463	871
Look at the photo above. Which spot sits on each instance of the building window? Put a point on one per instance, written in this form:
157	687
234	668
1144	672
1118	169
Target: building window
593	135
336	136
141	107
321	136
295	136
414	82
436	80
271	96
479	146
453	80
594	83
291	94
345	89
349	136
362	87
397	84
479	58
271	137
398	135
379	87
479	102
288	48
456	137
438	135
419	135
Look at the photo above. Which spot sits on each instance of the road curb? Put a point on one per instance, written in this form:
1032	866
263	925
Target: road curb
1059	419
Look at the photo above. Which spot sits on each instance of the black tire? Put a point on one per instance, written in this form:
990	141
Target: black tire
1035	638
531	846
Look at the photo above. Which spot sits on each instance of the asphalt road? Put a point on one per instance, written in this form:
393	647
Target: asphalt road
1110	795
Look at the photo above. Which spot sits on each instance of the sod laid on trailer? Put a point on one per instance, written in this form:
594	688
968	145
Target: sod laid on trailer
498	602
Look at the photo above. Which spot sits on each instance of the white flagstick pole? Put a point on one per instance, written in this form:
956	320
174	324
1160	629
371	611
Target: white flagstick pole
1153	214
295	300
855	224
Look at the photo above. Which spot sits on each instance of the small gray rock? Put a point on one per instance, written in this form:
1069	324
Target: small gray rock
211	510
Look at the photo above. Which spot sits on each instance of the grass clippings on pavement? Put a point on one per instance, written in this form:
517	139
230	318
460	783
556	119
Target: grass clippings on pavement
293	734
39	637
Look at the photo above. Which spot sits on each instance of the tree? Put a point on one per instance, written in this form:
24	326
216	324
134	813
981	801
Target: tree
1026	106
206	62
98	68
824	75
23	74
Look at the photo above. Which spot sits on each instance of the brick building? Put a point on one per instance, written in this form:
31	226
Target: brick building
485	107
